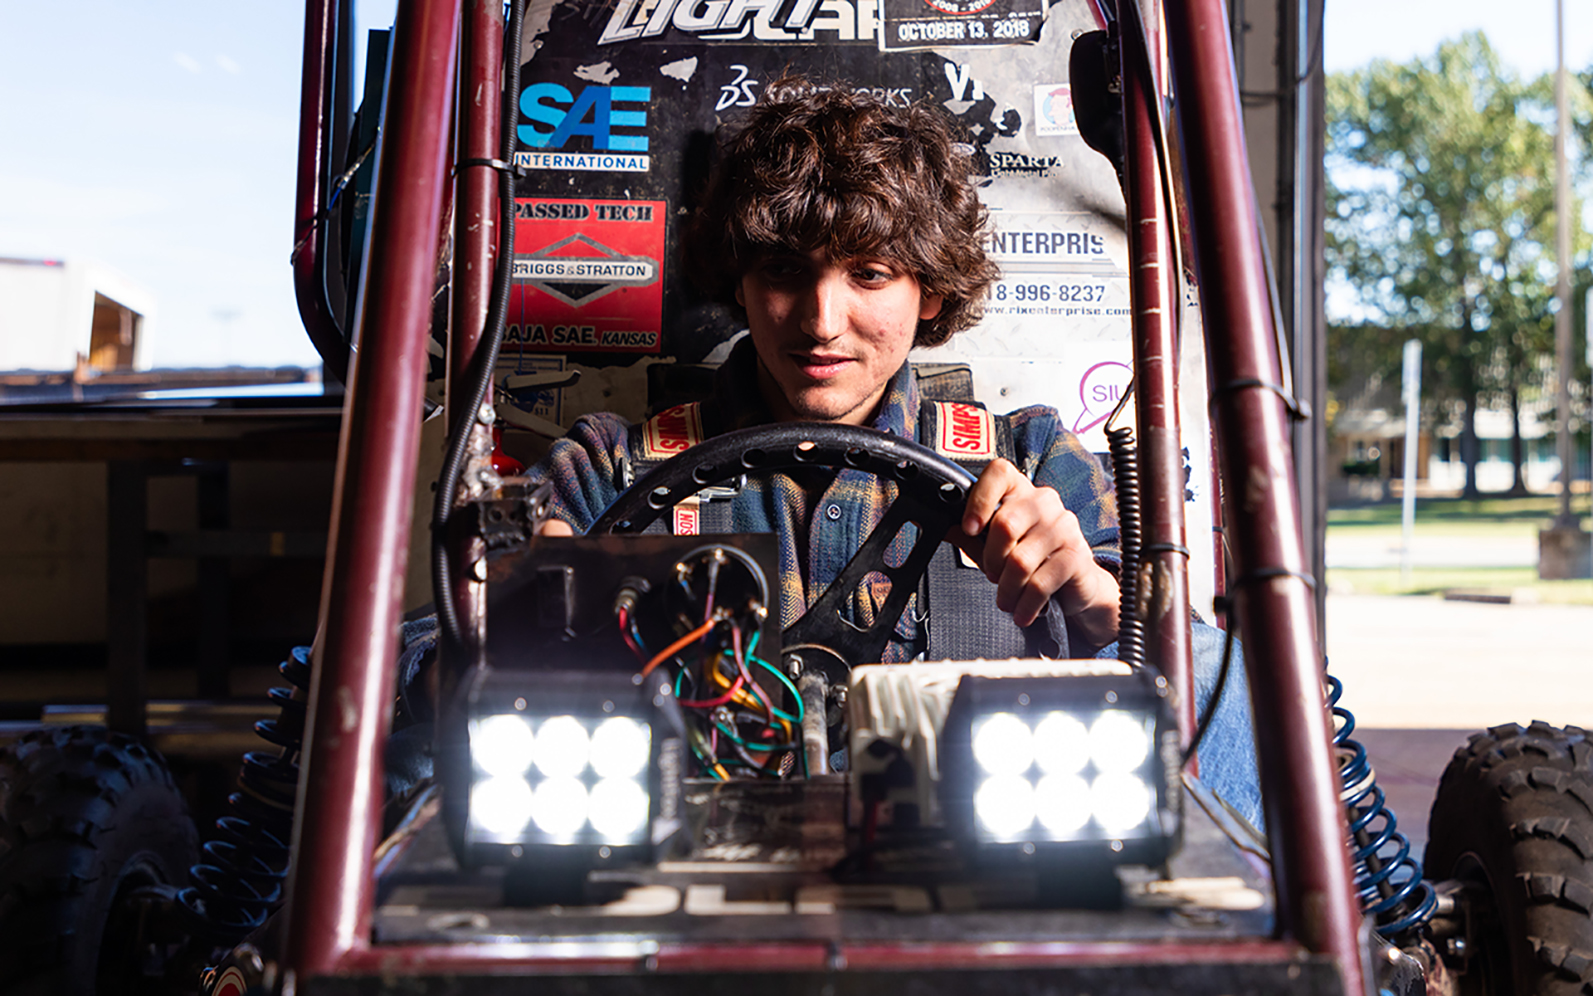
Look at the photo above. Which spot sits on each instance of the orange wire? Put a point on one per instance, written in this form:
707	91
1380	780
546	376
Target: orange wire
673	648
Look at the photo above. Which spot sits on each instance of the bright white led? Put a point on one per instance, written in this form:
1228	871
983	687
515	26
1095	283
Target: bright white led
562	746
501	807
618	808
501	745
559	806
1004	805
1062	803
1119	741
1120	801
1003	744
619	747
1061	744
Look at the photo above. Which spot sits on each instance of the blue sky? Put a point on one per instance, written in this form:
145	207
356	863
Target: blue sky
159	138
1522	31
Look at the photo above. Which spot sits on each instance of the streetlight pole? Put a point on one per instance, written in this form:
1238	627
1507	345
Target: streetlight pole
1564	549
1562	285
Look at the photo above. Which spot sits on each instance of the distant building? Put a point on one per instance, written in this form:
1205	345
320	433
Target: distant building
71	315
1367	450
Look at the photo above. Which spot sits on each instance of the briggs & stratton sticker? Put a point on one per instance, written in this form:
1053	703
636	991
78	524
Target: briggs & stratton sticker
587	275
910	24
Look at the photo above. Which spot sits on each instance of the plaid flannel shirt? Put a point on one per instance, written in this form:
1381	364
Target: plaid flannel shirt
818	537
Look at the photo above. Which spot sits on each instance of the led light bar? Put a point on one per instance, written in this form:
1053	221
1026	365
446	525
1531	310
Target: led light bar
565	778
1085	764
555	765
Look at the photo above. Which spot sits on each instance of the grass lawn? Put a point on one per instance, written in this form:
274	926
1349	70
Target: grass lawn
1440	518
1521	583
1501	516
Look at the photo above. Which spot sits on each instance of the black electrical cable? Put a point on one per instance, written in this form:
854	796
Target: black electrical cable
486	356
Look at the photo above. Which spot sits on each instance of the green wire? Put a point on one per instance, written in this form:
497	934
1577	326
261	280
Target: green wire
795	695
750	745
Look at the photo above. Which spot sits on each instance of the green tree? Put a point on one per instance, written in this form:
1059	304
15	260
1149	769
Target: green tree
1441	220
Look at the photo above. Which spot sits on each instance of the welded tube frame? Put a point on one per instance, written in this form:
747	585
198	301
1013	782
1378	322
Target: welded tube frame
1305	823
340	790
476	223
316	96
1153	294
328	927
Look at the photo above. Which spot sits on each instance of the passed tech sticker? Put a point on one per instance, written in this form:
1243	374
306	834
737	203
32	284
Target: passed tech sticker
587	276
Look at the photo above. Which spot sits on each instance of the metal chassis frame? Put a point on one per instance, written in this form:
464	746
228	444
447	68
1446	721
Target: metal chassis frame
332	891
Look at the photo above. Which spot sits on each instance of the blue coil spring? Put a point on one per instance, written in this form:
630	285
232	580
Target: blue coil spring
1388	880
239	879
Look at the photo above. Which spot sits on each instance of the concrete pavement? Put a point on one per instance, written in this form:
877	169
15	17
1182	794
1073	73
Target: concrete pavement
1414	662
1422	674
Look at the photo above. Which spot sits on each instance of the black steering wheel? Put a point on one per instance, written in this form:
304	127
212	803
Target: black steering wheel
931	494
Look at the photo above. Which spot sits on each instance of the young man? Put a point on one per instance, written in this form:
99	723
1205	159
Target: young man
848	232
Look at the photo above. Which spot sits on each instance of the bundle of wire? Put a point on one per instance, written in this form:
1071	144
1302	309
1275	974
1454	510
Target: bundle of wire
735	726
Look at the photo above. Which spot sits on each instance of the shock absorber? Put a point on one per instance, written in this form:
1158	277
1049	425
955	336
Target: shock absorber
238	881
1387	879
1125	481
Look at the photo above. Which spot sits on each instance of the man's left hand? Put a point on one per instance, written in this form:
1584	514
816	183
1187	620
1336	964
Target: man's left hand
1031	547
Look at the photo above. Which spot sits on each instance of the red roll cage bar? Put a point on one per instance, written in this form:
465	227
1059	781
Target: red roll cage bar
332	891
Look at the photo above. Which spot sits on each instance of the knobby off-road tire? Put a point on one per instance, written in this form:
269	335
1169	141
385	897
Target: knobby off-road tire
86	817
1514	816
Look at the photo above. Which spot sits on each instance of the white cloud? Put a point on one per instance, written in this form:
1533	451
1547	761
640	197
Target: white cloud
226	63
188	62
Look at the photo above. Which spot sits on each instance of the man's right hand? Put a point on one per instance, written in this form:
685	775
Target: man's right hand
1030	546
555	527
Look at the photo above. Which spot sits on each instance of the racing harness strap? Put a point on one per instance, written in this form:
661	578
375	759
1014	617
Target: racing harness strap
963	620
669	433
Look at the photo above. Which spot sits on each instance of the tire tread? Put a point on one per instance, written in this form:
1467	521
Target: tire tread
1519	801
59	792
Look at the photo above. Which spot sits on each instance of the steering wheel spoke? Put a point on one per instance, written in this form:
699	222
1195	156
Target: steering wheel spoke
825	622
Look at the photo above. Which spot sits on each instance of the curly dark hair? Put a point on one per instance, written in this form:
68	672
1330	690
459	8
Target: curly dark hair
834	169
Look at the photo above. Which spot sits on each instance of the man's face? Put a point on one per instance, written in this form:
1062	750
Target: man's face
830	335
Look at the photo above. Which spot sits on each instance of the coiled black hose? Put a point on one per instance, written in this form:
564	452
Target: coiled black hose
1125	481
238	881
486	355
1388	880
